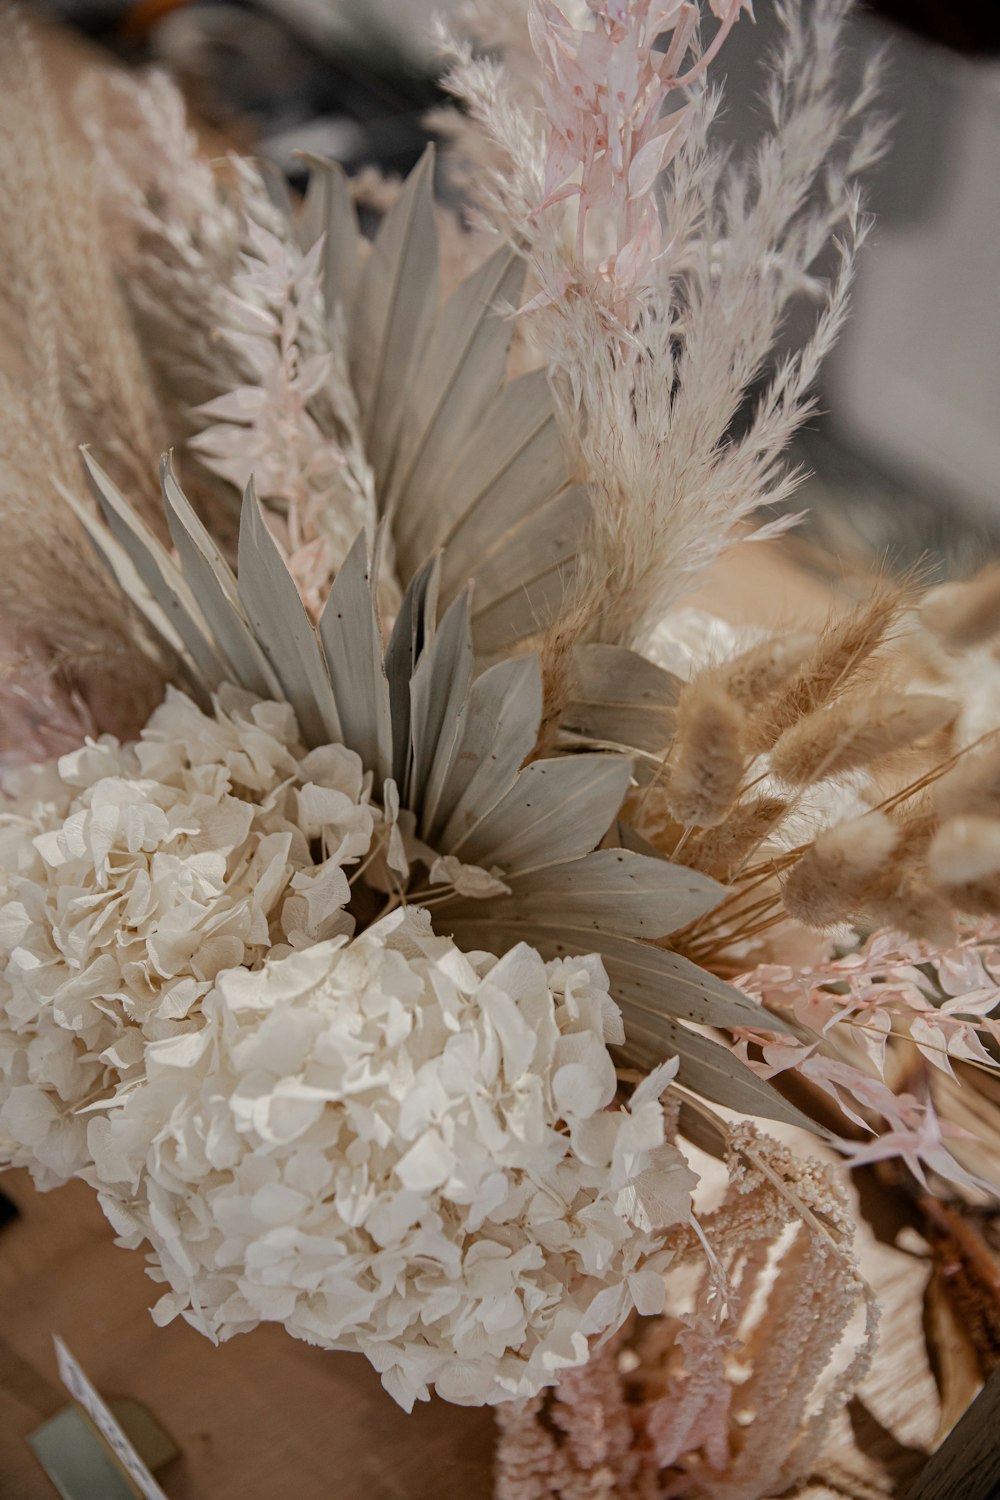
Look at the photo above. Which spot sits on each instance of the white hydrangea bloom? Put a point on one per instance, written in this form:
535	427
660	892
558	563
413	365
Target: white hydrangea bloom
131	875
393	1147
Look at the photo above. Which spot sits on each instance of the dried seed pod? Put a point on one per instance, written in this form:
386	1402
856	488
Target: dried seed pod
708	760
752	675
840	651
718	851
971	786
839	870
856	732
964	614
916	831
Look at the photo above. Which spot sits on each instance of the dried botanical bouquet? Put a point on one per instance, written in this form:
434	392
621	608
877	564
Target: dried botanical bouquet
405	897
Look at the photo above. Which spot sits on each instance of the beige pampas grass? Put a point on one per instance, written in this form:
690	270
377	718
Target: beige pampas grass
175	230
60	301
844	647
971	786
649	385
839	870
965	851
721	850
758	672
964	614
707	760
855	732
71	659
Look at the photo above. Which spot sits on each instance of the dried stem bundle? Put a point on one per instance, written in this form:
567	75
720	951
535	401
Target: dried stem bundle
73	659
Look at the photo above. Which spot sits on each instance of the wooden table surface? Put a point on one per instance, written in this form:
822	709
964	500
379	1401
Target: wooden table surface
262	1417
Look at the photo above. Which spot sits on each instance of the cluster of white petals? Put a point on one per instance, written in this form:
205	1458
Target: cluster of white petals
393	1147
131	875
381	1142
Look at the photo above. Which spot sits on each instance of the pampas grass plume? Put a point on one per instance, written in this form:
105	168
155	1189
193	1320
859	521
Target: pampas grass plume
839	870
840	652
856	732
965	850
971	786
708	759
964	614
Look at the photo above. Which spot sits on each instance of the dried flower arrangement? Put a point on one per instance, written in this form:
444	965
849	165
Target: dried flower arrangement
398	913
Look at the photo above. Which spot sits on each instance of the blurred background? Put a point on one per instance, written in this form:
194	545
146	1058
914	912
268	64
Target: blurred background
904	458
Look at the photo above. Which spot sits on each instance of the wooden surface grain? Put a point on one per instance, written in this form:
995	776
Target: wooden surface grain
264	1417
967	1465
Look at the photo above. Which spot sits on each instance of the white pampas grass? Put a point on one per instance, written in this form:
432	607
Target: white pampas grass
649	399
174	228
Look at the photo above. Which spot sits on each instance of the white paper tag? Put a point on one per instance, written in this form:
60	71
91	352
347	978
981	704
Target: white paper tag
81	1390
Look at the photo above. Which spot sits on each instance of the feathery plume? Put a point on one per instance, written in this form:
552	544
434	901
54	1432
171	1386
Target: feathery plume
971	786
61	303
719	851
963	615
292	423
648	386
175	230
842	649
856	731
754	674
707	761
838	871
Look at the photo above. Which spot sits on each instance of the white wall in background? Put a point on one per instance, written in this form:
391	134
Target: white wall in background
916	380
